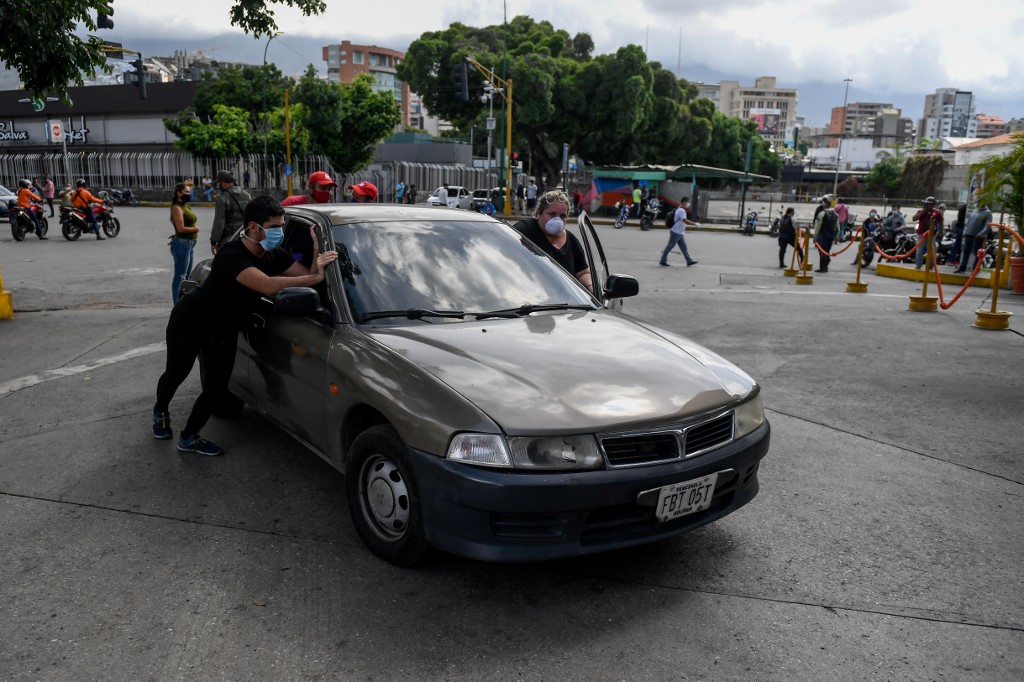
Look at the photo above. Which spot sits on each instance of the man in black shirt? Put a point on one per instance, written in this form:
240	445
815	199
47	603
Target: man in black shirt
208	319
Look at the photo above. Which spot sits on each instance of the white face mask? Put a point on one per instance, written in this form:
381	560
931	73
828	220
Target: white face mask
554	226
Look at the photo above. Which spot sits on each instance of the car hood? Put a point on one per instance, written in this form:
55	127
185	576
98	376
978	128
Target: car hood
595	370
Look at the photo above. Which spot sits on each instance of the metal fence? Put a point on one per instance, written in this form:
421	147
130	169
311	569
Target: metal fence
151	175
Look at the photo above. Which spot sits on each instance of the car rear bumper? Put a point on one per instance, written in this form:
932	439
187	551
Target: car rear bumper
497	515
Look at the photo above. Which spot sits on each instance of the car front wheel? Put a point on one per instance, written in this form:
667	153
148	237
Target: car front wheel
382	497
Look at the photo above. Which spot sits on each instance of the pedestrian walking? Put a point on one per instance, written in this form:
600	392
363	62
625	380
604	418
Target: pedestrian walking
399	191
207	320
825	226
677	234
975	234
531	196
229	211
245	178
48	190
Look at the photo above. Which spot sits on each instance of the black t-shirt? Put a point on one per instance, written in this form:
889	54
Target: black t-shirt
570	256
222	303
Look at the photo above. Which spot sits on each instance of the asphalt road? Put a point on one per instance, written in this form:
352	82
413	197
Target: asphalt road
886	541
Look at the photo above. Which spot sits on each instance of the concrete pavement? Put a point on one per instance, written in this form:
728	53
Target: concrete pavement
886	541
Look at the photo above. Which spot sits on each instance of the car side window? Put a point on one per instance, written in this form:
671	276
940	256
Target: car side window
297	241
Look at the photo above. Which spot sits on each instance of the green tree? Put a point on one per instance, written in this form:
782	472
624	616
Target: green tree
884	177
227	133
42	44
345	120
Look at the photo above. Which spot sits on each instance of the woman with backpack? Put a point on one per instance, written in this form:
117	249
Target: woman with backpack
787	237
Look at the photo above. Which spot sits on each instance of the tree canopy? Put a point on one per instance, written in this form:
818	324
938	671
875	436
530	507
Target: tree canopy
341	121
612	109
44	47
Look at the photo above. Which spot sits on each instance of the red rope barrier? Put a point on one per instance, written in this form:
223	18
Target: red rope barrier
920	242
840	251
964	288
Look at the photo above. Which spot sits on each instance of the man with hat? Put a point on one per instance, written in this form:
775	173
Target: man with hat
229	211
928	218
318	191
363	193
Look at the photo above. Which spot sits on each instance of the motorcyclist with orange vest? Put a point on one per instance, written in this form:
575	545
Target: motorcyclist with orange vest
25	198
83	200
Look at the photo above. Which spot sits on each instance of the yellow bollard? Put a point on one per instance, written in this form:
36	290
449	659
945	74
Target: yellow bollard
803	277
858	287
6	302
994	319
925	303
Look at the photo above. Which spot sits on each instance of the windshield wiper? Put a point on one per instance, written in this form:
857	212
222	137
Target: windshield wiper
524	310
411	314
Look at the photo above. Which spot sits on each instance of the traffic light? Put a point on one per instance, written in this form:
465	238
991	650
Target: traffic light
103	17
463	82
140	76
514	163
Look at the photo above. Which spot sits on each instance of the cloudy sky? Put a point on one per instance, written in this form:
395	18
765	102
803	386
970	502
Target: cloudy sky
894	50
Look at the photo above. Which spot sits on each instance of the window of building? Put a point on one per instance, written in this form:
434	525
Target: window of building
357	57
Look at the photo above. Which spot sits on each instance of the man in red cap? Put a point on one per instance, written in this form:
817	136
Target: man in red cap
318	191
364	193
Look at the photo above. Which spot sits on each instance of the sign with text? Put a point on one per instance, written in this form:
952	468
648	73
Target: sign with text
55	130
768	120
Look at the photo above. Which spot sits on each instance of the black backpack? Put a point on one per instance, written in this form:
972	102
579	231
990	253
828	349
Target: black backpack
670	216
829	220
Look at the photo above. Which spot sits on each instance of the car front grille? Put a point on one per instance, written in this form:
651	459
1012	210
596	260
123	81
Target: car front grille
645	448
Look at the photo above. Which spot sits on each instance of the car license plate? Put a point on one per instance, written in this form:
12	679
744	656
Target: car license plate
680	499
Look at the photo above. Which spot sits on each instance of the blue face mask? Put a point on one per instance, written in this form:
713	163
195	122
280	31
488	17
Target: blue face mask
273	239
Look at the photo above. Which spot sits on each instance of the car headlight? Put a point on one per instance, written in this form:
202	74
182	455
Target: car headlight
749	416
537	453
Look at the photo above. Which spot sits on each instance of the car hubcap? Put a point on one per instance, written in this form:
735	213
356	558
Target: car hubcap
385	498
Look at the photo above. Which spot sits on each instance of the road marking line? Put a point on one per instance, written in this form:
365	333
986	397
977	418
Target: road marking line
62	372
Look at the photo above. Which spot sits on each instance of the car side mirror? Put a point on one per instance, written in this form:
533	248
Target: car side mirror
300	302
621	286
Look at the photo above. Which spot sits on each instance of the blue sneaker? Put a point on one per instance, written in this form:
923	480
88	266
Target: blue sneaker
162	425
199	445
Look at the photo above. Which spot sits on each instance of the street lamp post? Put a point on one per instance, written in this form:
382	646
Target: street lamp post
842	131
276	34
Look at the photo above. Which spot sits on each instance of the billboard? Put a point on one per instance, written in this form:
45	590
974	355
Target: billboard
769	121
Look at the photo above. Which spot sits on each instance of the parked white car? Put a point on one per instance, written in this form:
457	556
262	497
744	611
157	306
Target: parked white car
458	197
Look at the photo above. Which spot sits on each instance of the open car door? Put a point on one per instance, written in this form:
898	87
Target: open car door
608	287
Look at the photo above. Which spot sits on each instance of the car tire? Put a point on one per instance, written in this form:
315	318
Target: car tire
111	227
383	499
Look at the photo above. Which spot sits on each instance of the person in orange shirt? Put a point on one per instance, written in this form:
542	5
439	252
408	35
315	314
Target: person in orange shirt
83	200
25	198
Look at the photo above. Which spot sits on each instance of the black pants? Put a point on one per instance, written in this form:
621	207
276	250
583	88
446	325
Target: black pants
825	242
184	344
785	242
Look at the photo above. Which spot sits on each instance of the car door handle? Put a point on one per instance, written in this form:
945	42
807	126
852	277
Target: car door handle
258	321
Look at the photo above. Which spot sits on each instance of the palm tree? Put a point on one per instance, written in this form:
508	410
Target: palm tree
1002	184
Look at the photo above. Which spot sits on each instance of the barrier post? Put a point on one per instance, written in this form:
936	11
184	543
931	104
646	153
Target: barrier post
803	277
6	302
925	303
858	287
994	319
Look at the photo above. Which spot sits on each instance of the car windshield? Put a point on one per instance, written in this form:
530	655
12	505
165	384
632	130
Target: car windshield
470	267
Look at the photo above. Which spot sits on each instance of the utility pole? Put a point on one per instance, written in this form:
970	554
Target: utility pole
842	131
504	88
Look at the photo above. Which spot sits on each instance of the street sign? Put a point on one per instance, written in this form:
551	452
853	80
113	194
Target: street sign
56	131
288	170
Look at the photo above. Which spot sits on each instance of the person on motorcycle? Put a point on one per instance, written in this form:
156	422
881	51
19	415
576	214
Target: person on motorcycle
83	201
25	198
871	223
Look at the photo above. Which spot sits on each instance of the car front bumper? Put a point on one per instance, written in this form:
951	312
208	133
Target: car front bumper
500	515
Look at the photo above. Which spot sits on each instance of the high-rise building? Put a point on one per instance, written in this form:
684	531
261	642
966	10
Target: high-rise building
948	113
1015	125
346	61
773	108
990	126
879	121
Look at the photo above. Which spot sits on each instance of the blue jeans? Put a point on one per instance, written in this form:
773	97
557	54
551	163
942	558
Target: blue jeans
673	239
182	252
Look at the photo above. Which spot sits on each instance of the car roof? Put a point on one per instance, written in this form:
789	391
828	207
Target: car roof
340	214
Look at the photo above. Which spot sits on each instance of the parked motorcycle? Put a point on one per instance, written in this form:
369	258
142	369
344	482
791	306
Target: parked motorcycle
623	216
73	222
649	213
750	224
22	222
773	229
123	197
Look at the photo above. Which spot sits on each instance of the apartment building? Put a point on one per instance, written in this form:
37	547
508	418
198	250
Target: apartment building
990	126
772	107
948	112
881	122
345	61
